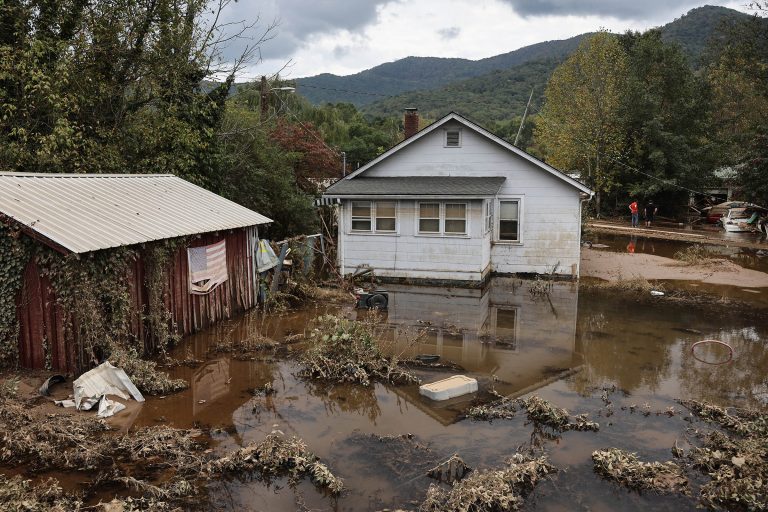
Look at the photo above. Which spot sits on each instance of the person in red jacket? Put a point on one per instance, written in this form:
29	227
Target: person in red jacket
635	213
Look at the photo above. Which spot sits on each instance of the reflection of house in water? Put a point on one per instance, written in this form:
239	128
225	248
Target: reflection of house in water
501	330
209	383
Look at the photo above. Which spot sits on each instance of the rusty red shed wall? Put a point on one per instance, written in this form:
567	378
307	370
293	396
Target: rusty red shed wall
42	321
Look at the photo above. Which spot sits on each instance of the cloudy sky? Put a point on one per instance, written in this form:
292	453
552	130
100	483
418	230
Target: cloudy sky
347	36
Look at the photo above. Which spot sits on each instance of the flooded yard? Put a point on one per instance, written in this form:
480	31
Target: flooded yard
621	360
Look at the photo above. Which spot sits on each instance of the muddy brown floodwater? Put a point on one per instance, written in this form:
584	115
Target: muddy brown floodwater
621	361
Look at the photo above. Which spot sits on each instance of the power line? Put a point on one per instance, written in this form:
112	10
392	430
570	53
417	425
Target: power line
629	167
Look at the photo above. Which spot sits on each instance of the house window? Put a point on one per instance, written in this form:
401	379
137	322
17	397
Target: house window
386	216
455	218
374	216
453	138
429	217
361	216
488	216
509	220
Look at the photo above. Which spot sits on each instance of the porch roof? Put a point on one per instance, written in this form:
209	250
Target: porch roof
417	186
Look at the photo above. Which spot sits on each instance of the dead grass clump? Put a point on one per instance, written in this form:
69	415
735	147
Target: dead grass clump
9	388
632	285
19	495
145	374
276	456
736	460
544	412
626	469
163	446
694	255
499	489
60	441
504	408
342	350
243	349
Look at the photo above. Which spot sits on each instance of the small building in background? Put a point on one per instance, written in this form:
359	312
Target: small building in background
151	256
453	202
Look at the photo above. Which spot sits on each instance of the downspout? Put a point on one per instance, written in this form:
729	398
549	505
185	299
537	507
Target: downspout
582	197
340	245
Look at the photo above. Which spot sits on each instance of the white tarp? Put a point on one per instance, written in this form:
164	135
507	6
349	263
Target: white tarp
265	257
103	380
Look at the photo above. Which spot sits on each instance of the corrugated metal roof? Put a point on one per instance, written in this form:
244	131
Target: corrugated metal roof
88	212
422	186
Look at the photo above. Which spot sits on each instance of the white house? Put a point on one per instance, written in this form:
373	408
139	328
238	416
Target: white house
454	202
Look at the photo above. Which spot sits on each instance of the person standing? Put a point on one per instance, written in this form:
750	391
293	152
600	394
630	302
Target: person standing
650	212
635	213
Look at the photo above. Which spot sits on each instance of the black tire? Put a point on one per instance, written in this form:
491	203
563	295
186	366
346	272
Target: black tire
377	301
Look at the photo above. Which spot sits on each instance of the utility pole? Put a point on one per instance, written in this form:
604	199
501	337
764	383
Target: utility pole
519	130
343	163
264	98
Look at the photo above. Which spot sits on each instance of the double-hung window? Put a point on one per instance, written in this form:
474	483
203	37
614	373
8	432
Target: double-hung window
429	217
509	220
374	216
361	215
448	219
386	216
455	218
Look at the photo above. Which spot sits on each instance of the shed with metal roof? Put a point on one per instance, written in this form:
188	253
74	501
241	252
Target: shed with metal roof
166	256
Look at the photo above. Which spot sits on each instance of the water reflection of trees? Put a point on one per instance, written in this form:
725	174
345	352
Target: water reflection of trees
346	398
619	346
742	380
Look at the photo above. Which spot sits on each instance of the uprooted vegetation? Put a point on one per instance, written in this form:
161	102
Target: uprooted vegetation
493	489
159	468
737	463
145	375
627	469
342	350
539	411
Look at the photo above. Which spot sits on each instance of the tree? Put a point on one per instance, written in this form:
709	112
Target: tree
580	126
665	110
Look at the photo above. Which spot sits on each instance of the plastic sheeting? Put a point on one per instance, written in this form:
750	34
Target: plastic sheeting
265	257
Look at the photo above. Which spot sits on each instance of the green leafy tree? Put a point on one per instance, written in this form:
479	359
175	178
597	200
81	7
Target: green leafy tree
665	109
581	127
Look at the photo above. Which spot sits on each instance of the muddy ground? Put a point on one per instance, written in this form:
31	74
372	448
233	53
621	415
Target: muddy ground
618	359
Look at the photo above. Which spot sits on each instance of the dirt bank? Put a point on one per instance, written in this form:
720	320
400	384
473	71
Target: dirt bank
714	237
614	266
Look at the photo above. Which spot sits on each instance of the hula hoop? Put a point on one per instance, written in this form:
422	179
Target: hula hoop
718	342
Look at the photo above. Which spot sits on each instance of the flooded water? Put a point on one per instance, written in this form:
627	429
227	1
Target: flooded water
566	347
745	257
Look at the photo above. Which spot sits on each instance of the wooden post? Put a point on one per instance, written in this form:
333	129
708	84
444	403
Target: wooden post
278	269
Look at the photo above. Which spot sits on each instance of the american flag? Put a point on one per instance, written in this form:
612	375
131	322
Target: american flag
207	267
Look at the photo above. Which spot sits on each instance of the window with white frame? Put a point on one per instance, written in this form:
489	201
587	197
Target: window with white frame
488	216
429	217
449	219
386	216
374	216
453	138
361	216
509	220
455	218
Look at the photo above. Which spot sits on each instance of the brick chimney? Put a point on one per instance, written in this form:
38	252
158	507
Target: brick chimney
411	121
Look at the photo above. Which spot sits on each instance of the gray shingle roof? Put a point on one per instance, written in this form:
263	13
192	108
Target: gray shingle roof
421	186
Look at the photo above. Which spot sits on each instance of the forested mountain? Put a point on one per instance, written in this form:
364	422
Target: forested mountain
450	83
421	73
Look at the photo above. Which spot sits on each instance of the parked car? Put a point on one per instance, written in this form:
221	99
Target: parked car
743	220
716	212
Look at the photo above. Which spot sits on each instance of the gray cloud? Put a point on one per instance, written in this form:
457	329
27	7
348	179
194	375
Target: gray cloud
449	33
622	9
299	21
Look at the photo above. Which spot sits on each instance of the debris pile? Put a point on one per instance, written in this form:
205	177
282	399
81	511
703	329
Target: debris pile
342	350
19	494
494	489
277	455
450	471
626	469
736	463
540	411
145	374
